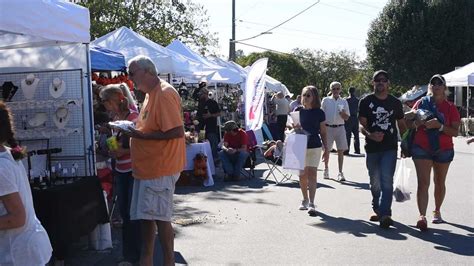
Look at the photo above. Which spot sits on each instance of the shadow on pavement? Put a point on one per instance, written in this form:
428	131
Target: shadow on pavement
358	228
356	185
442	239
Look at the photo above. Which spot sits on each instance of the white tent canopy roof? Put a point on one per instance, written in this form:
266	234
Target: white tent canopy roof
131	44
460	76
36	23
223	74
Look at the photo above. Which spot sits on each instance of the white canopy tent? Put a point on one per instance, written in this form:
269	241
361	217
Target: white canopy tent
222	74
131	44
461	77
49	36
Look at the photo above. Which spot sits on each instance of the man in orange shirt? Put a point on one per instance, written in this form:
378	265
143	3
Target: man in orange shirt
157	149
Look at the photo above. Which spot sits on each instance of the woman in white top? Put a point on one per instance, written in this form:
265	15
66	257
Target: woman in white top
23	240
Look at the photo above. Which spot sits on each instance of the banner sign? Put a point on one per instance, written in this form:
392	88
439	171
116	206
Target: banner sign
255	94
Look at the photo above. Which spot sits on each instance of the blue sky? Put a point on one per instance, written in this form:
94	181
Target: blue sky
330	25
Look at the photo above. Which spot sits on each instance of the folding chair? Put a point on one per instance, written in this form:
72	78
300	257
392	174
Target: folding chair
272	166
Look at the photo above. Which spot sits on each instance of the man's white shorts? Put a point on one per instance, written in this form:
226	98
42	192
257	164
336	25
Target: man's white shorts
152	199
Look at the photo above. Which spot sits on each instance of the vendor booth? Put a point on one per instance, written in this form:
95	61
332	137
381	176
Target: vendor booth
45	80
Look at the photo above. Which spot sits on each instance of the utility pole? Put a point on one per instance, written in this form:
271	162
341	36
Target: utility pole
232	41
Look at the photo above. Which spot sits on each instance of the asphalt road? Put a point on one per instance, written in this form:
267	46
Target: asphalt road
255	222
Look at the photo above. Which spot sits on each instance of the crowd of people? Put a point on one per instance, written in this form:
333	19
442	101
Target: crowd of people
151	155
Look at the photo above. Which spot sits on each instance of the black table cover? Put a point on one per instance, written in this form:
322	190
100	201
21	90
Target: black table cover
70	211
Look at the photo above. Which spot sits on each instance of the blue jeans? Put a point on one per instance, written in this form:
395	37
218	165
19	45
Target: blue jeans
213	141
381	166
131	241
441	156
233	163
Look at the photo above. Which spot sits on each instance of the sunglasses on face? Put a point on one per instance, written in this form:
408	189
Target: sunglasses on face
336	89
307	95
437	83
382	80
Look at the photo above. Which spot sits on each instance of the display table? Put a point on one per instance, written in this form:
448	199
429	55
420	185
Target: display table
70	211
195	148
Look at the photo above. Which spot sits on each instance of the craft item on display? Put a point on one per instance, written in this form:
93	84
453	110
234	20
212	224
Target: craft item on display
38	120
8	90
57	88
61	117
28	86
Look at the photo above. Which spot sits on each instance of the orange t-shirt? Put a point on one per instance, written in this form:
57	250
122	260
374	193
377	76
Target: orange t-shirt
161	111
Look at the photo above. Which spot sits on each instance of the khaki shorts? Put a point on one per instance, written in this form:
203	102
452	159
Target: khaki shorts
152	199
337	134
312	157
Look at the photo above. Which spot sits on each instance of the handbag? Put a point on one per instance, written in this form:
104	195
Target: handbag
407	142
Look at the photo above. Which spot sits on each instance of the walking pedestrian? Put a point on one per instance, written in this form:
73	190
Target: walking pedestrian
312	121
281	111
433	147
207	114
158	154
352	124
379	112
336	110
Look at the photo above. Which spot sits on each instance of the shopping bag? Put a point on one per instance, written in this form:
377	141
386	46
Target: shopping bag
401	191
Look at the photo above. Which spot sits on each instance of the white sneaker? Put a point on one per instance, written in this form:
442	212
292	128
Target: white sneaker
340	177
326	173
304	205
311	209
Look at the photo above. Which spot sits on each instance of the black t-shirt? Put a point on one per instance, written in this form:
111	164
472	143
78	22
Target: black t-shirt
310	120
209	106
381	116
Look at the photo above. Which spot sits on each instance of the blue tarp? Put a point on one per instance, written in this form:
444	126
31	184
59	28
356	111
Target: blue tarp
105	59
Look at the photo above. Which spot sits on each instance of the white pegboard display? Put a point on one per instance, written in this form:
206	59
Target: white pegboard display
50	105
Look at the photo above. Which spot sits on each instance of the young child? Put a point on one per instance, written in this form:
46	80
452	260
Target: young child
274	152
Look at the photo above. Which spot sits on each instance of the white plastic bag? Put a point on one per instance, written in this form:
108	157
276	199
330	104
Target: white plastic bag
401	191
101	237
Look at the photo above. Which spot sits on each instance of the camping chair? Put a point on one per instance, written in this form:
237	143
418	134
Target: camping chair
273	168
272	165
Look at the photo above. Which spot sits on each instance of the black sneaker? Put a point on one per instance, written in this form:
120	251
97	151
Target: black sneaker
386	222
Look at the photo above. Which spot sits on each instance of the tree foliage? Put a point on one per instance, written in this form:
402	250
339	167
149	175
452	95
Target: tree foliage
159	21
283	67
414	39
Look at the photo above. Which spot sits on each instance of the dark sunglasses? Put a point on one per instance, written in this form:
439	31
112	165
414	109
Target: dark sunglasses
381	80
437	83
307	95
335	89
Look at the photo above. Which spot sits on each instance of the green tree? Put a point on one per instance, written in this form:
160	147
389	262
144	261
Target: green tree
414	39
159	21
325	67
284	67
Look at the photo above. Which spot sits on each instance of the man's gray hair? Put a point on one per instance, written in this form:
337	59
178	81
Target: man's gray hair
334	83
145	63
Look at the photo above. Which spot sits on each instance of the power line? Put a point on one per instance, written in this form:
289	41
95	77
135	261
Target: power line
346	9
303	31
367	5
269	30
263	48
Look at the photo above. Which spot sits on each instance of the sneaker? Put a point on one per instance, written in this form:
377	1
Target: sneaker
422	224
374	217
437	218
312	209
386	221
304	205
346	152
340	177
326	173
